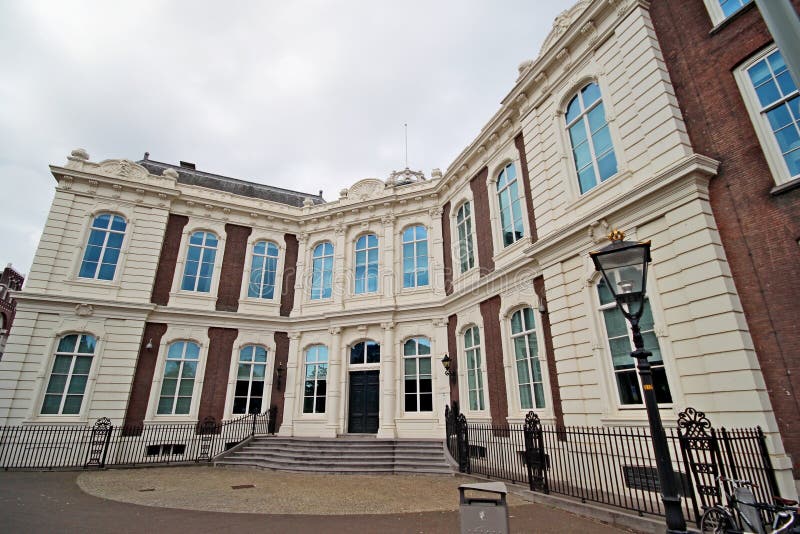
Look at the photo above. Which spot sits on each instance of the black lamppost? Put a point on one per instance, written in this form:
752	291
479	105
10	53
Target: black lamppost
623	265
446	364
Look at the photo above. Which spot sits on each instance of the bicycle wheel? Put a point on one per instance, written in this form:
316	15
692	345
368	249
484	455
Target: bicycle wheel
716	519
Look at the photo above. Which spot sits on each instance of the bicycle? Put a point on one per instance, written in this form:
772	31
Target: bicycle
744	512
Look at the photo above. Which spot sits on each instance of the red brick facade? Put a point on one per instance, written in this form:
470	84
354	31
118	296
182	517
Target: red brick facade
165	272
452	349
289	274
519	142
549	353
230	278
447	251
215	378
759	229
495	370
143	376
278	393
482	215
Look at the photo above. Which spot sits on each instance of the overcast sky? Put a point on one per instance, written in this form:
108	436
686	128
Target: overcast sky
307	95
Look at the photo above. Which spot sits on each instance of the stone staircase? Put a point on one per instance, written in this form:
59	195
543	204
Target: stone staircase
342	455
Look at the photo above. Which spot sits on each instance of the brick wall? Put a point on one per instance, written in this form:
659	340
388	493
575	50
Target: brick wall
447	250
289	274
549	353
278	394
166	261
495	371
759	230
230	279
483	222
452	349
215	378
143	376
519	142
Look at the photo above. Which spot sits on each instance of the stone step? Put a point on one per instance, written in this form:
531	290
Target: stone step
347	454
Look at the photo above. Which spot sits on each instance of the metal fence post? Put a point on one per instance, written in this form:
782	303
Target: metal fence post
535	455
463	444
770	471
253	430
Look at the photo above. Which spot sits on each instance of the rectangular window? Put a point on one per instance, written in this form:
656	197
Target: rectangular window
366	279
262	270
620	343
180	370
417	371
464	229
322	271
526	356
199	268
415	256
729	7
250	375
509	203
70	372
773	103
103	247
316	379
472	351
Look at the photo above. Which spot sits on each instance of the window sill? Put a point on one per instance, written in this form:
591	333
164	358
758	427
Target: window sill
415	290
785	187
507	251
56	420
92	282
193	295
584	198
259	302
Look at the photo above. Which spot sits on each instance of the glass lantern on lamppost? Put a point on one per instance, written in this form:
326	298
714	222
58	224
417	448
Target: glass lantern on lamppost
623	265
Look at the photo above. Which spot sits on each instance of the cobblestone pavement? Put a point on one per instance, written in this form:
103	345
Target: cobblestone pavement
32	502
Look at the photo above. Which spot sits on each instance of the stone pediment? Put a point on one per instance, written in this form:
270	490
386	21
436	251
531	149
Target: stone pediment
125	169
367	188
563	21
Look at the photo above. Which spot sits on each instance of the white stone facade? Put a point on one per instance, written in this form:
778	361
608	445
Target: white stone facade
659	193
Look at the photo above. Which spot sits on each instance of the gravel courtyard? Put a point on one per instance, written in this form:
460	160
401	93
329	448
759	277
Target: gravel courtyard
273	492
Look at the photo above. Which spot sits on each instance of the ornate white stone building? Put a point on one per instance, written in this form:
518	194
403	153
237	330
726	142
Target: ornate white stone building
162	293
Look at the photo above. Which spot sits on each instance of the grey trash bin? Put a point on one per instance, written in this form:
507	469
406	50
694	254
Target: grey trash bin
487	513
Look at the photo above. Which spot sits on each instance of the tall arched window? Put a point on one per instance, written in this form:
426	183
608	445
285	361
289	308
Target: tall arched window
251	371
199	267
620	344
366	264
510	209
316	380
526	355
592	149
322	271
472	350
103	247
464	229
68	377
415	256
418	388
365	352
263	269
180	370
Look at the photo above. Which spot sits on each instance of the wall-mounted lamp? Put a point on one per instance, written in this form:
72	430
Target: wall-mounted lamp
542	307
149	345
446	364
279	374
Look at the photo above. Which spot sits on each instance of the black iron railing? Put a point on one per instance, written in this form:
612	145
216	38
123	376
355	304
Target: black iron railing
613	465
103	444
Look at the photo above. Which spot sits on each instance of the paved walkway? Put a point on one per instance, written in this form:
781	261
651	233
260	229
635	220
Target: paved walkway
32	502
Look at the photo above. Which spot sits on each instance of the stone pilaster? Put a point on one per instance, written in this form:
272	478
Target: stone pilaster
294	374
389	384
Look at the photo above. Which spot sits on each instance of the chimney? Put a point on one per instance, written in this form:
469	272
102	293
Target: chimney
187	165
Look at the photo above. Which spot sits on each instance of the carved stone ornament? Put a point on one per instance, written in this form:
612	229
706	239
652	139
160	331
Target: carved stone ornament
364	189
93	185
66	182
406	176
562	24
388	219
436	174
598	231
84	310
387	326
117	190
343	193
79	154
170	173
124	168
335	330
589	30
307	203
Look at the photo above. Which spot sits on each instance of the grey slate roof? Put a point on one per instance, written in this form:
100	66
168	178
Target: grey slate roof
189	176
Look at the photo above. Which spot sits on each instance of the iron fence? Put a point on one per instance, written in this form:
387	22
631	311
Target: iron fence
613	465
103	444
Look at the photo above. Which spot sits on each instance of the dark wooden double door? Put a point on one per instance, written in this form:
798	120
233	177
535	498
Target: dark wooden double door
364	402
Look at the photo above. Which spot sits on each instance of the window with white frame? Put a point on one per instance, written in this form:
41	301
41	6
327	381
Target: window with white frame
510	208
366	280
418	388
251	371
103	247
316	379
365	352
68	377
472	351
729	7
590	138
322	271
526	356
199	266
180	371
415	256
773	102
464	229
620	344
263	270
